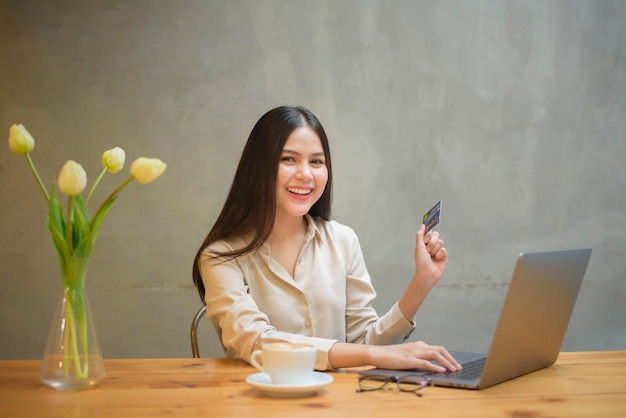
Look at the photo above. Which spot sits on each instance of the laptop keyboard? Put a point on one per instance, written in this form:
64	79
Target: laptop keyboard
471	370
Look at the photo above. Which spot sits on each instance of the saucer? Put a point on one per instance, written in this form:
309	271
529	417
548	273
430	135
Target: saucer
263	382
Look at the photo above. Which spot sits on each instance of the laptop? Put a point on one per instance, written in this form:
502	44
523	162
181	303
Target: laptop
531	327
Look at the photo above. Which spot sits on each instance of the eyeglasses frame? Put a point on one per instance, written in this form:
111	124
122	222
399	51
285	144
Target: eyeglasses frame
398	380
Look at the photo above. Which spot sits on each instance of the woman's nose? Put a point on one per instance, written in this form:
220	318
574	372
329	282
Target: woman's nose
304	171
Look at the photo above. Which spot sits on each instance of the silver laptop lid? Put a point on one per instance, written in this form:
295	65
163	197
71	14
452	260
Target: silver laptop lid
535	314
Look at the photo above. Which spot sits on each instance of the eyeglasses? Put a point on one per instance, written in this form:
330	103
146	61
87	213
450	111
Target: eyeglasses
409	383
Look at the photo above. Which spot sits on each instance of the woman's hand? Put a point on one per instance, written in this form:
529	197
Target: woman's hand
431	258
414	355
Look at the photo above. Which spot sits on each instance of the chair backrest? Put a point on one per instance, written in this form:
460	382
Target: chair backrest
194	331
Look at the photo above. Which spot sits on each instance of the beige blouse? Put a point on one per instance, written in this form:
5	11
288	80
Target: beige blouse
328	299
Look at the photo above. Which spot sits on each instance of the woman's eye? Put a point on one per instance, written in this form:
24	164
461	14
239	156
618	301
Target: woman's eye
287	159
318	162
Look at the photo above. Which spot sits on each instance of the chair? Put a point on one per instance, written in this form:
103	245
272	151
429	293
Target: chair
194	331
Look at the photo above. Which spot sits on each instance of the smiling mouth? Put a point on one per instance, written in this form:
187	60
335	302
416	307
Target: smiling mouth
299	191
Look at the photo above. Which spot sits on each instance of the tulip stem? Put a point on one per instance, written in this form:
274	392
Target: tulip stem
102	173
36	174
116	191
68	225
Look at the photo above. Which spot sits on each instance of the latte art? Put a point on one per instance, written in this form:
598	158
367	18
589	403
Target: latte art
286	346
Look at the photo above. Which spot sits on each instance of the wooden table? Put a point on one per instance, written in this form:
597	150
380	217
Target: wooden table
589	384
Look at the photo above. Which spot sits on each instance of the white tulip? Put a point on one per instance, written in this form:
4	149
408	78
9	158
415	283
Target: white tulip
72	179
20	140
145	170
113	159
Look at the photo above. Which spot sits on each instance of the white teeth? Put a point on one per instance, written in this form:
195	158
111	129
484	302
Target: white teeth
299	191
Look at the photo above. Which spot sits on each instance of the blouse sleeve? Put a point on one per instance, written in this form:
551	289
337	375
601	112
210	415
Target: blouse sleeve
237	319
363	325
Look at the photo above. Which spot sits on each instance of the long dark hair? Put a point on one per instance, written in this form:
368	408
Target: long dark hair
251	203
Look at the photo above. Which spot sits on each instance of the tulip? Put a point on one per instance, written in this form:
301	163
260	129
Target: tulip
145	170
20	140
72	179
74	235
113	159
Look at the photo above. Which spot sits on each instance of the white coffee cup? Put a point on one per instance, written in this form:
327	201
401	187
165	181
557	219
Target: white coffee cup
286	363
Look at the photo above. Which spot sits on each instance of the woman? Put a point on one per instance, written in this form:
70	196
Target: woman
275	267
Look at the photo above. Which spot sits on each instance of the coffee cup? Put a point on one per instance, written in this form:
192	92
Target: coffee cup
286	363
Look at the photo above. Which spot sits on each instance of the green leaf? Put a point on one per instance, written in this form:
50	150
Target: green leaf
81	228
81	213
55	213
96	222
84	248
62	250
56	224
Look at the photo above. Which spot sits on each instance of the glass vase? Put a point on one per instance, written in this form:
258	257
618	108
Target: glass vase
72	359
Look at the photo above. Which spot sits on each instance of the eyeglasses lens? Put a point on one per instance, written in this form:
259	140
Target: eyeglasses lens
372	383
404	384
411	385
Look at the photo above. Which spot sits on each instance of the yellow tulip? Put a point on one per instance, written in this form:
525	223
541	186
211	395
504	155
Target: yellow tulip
145	170
20	140
72	179
113	159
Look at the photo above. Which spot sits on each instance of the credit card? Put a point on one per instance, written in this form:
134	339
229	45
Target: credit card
432	217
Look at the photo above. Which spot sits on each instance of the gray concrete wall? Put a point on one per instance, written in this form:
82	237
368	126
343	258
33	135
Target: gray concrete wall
512	112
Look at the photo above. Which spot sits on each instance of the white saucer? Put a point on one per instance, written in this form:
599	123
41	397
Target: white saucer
263	382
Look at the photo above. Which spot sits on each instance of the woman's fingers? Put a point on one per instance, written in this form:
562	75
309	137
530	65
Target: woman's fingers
447	361
414	355
439	354
433	242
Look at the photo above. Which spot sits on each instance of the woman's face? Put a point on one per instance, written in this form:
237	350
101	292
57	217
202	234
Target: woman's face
302	173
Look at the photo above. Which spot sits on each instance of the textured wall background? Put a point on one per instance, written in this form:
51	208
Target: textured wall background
512	112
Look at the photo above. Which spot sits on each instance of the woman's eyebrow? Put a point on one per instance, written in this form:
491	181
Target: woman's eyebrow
316	154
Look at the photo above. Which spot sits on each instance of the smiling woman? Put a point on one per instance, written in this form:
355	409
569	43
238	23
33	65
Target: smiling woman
302	175
275	267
